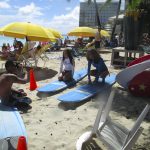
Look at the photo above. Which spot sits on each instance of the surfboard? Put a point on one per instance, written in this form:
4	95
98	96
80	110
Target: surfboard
139	60
87	91
61	85
11	127
127	74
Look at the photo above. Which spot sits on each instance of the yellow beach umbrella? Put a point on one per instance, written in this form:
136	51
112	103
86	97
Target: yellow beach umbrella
56	33
86	32
33	32
82	31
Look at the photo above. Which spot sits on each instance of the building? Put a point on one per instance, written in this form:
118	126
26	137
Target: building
88	13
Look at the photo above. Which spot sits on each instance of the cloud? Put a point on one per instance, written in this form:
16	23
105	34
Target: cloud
30	9
4	5
66	22
68	8
6	19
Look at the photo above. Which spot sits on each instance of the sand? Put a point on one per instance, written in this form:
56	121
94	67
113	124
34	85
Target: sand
52	125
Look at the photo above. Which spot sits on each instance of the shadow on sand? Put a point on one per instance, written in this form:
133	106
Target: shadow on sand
43	95
48	94
95	98
42	73
128	105
71	106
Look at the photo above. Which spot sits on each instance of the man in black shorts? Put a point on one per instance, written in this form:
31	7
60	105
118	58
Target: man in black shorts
6	81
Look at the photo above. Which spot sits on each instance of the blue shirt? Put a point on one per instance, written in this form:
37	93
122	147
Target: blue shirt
100	67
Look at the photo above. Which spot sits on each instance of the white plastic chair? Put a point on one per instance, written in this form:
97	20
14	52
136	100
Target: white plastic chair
114	135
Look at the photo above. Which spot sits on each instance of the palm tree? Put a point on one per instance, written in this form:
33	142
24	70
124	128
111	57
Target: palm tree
116	20
131	6
96	9
131	23
97	13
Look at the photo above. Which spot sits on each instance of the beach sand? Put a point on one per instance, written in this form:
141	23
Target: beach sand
52	125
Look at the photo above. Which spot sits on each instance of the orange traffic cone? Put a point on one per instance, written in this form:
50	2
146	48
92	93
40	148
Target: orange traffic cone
33	84
22	145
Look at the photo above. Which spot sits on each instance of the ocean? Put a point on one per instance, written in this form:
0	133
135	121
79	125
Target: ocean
10	40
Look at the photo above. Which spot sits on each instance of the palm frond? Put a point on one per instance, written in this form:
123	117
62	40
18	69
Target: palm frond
134	4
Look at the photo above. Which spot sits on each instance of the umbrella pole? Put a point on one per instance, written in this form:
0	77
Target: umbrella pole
27	39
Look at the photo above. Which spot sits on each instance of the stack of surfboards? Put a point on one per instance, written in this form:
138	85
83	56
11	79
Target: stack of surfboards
134	68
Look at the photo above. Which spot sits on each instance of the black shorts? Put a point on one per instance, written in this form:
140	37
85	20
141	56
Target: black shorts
97	44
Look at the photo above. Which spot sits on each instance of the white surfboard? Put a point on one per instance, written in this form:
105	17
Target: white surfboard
11	128
129	73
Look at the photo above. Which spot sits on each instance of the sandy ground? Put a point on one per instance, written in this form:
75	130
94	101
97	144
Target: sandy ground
52	125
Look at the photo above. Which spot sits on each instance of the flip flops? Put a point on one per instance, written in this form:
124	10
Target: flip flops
22	93
19	93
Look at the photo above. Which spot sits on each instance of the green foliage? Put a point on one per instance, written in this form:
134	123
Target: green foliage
134	4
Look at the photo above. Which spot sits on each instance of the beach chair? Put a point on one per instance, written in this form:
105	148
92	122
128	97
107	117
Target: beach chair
114	135
40	54
25	55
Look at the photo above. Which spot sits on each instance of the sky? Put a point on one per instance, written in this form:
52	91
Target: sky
62	15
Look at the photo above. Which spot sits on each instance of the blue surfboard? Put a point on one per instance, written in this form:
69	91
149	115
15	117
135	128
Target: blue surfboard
11	123
61	85
87	91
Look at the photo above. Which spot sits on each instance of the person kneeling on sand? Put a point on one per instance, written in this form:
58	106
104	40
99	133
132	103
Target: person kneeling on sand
67	66
6	81
95	60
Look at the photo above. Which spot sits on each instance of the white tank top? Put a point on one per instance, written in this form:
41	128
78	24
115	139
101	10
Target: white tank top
66	65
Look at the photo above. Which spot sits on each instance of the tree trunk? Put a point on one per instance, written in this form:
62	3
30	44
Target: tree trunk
97	15
114	27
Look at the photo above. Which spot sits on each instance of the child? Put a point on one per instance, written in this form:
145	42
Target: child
67	66
101	70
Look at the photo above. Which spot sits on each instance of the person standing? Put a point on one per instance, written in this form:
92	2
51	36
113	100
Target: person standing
98	39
